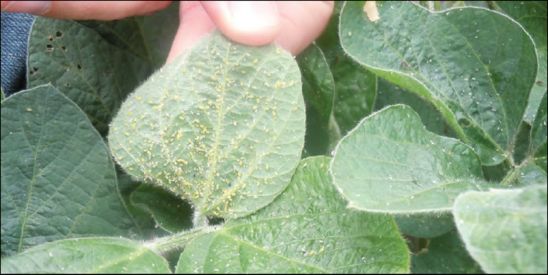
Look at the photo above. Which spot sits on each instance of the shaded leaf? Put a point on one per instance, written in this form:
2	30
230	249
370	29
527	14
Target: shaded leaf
307	229
222	127
390	163
148	37
425	225
169	211
479	84
58	180
87	255
355	87
538	135
318	91
505	230
390	94
444	255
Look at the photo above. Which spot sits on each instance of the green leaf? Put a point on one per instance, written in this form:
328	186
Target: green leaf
318	91
355	87
98	63
454	59
222	126
58	179
169	211
87	255
532	16
425	225
390	94
505	230
93	73
143	221
355	92
307	229
390	163
538	135
148	37
444	255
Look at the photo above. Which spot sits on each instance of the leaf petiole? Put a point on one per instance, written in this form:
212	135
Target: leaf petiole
178	240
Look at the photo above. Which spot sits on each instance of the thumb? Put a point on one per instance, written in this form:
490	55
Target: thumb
252	23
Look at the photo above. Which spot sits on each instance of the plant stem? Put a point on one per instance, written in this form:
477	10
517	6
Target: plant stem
511	177
199	220
179	240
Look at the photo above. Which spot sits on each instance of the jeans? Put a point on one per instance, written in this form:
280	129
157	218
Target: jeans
15	36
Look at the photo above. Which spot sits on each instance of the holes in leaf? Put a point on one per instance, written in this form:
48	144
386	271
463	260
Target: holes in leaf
49	48
67	85
64	48
50	38
78	66
58	34
33	70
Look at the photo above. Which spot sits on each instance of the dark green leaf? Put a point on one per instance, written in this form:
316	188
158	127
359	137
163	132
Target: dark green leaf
454	59
97	64
425	225
148	37
318	91
390	94
307	229
58	179
444	255
532	16
170	212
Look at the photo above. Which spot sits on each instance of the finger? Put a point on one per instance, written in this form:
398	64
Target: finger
194	24
100	10
302	23
249	22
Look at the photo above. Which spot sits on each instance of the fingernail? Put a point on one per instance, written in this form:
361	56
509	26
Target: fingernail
34	7
253	15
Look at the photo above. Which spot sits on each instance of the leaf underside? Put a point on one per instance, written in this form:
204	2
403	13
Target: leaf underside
222	126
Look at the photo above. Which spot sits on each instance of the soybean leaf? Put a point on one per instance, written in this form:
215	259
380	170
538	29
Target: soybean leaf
355	92
98	64
318	91
505	230
532	16
390	94
444	255
87	255
355	87
58	180
148	37
222	126
390	163
425	225
169	211
538	135
143	219
307	229
478	73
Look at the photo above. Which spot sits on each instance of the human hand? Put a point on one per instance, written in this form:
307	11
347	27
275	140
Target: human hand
292	25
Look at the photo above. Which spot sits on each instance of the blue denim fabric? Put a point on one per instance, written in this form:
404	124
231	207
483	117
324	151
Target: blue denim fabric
15	36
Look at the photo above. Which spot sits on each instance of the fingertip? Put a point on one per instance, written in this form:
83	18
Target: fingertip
252	23
194	24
